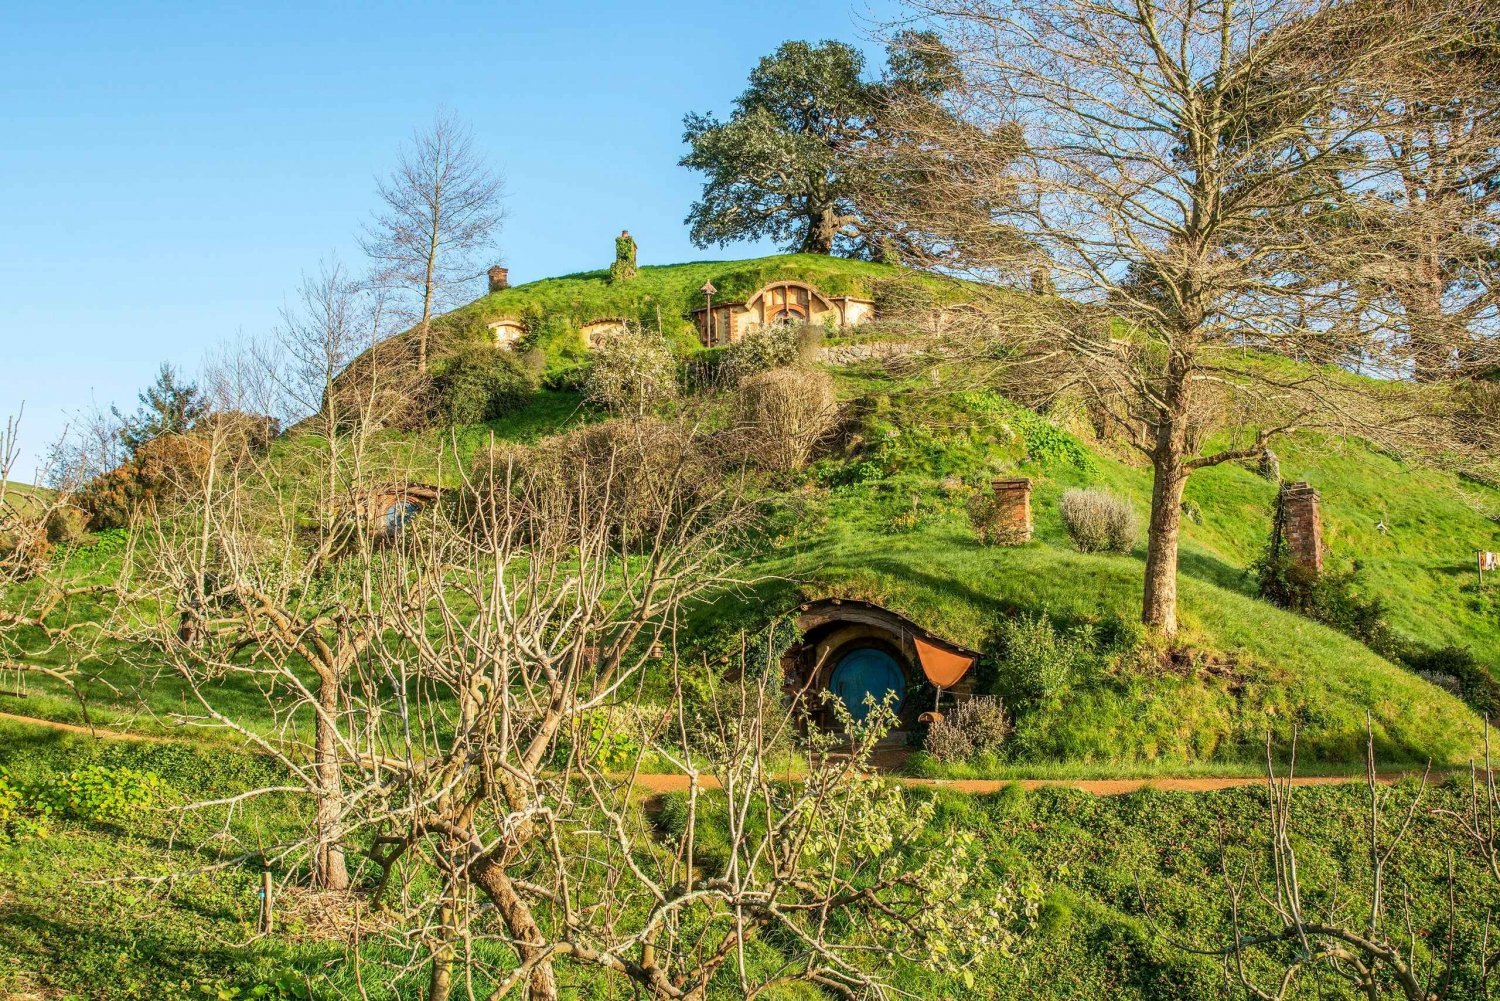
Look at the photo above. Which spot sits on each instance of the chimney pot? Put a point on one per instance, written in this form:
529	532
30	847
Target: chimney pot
499	278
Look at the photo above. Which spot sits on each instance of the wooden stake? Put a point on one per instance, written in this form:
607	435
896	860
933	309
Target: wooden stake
265	923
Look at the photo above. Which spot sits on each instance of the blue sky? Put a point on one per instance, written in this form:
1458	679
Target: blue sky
168	170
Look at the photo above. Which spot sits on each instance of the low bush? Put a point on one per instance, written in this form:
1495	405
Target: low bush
1099	521
1037	663
18	817
1459	672
100	794
977	727
162	471
479	383
631	372
775	345
783	414
1333	597
65	524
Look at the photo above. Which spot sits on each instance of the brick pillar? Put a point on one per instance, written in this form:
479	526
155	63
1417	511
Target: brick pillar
1013	519
499	278
1299	526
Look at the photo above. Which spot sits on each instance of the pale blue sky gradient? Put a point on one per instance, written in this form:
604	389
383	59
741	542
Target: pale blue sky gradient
167	171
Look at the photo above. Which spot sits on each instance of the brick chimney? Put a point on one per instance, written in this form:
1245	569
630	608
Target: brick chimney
1299	526
499	278
1013	519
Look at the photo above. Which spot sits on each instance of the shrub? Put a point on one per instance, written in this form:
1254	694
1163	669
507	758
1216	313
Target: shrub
99	793
479	383
18	818
774	345
1037	663
641	474
1099	521
1332	597
784	414
976	727
632	372
1456	670
65	524
24	547
163	470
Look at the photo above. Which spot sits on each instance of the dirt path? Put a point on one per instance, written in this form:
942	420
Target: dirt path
100	732
657	785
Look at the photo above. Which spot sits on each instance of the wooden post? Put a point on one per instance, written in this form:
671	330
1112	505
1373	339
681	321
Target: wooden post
265	923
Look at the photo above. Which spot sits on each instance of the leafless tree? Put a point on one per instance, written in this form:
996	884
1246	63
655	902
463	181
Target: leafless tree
256	577
517	640
1172	195
1289	932
441	210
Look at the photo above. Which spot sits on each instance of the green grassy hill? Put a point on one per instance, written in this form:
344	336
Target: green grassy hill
882	517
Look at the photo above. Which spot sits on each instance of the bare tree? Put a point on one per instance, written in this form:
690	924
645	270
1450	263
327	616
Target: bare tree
257	577
516	643
441	210
1173	153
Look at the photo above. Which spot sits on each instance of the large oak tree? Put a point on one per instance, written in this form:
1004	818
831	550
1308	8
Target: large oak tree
783	165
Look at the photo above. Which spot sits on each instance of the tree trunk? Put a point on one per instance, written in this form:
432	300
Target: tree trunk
530	943
1159	607
329	869
822	227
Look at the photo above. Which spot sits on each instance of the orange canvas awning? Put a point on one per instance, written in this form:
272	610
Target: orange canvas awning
942	667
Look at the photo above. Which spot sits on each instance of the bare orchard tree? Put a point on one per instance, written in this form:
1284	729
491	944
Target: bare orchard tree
1171	154
497	773
441	210
260	576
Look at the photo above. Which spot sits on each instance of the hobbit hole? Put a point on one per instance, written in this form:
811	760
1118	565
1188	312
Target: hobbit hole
862	654
778	302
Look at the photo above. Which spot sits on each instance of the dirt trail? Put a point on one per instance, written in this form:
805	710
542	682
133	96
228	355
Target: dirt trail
100	732
657	785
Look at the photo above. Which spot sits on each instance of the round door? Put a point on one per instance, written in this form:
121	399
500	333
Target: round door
867	672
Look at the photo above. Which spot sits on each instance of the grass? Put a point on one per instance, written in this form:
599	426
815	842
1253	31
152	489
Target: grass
1124	880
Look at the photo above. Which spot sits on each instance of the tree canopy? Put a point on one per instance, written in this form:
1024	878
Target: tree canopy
785	164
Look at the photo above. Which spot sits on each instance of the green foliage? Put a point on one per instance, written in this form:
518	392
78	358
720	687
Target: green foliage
784	166
1336	598
19	816
479	383
623	269
167	406
775	345
1038	665
632	372
99	794
1099	521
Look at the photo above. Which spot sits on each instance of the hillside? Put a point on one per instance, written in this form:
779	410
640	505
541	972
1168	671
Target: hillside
882	517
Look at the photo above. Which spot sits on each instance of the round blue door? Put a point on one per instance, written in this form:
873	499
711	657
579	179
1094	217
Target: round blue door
867	672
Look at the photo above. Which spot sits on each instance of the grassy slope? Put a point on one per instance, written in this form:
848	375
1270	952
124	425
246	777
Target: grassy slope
903	540
74	929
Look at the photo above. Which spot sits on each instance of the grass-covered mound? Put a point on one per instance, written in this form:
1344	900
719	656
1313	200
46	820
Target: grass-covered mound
885	521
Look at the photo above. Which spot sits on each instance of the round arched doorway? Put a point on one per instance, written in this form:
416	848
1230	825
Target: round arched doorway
867	673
